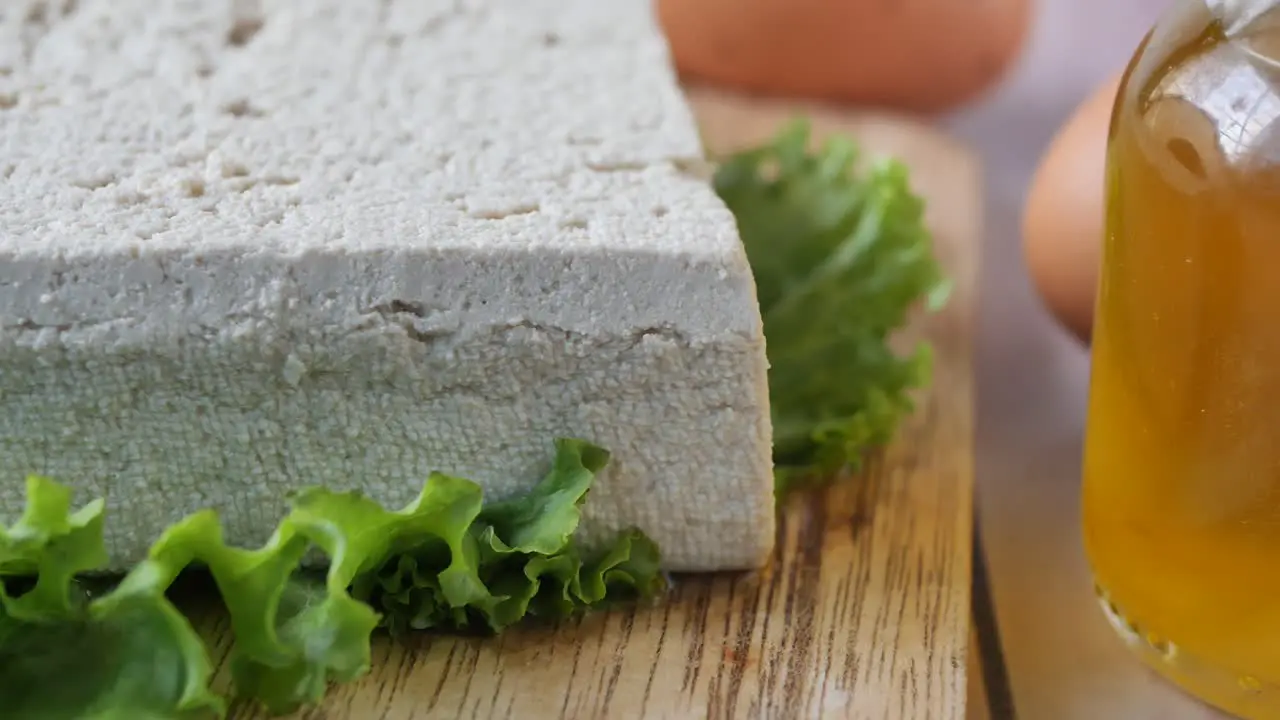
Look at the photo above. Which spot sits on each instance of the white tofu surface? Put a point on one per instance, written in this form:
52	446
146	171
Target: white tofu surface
247	247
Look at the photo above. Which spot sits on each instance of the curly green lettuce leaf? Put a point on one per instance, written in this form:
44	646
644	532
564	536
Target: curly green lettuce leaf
290	642
840	257
542	521
66	655
445	560
519	553
52	544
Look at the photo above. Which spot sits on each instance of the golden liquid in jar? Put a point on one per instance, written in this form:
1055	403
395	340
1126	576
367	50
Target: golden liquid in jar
1182	459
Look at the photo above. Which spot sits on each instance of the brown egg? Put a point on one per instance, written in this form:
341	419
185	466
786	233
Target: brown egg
1062	221
923	55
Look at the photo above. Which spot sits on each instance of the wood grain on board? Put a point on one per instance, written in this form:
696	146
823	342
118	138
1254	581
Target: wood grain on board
864	610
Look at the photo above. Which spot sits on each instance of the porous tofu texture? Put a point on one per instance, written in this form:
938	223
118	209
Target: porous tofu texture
247	247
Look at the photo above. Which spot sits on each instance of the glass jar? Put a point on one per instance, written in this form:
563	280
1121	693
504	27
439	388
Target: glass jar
1182	454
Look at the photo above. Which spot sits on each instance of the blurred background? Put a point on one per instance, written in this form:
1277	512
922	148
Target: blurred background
1071	48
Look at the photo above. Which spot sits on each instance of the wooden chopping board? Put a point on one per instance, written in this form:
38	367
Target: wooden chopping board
864	611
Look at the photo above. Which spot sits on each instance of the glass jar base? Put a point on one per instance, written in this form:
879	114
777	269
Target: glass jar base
1244	696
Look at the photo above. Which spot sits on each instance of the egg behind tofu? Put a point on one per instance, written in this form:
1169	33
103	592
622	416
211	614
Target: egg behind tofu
919	55
1062	224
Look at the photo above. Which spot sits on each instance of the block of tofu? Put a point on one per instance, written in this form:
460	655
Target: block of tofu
247	247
